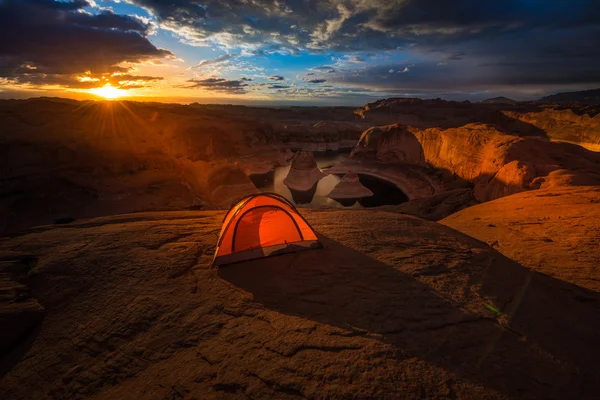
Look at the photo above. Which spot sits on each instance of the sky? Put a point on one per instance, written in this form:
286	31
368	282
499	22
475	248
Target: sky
304	52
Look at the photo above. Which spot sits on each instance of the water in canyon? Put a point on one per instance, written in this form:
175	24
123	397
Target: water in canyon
384	193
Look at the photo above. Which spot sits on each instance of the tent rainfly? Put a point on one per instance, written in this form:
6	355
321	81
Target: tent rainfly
262	225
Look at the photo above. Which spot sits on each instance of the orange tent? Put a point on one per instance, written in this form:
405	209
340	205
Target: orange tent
262	225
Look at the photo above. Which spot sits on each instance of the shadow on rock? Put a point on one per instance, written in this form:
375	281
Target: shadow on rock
534	348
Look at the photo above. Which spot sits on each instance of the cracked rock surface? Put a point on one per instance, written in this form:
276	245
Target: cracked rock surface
406	309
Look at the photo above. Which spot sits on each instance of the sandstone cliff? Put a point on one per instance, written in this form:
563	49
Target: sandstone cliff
497	164
574	125
579	124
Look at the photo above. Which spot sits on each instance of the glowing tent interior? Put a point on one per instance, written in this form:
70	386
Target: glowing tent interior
262	225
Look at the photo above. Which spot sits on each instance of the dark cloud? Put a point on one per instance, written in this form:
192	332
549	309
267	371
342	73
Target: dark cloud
317	81
457	56
276	78
360	25
47	41
559	36
218	85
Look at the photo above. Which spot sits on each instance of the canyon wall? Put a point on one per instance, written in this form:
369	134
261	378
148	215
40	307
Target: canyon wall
497	164
579	124
62	159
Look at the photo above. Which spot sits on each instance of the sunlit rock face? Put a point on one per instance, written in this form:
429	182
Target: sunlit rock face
497	164
579	125
555	231
350	188
575	123
304	172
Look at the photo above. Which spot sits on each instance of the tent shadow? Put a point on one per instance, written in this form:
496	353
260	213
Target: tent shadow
342	287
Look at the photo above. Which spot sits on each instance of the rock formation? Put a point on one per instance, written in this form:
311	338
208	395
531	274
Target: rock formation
68	159
497	164
349	188
133	310
579	124
304	172
573	125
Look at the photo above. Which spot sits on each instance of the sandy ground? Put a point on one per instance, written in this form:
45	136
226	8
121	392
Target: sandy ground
407	309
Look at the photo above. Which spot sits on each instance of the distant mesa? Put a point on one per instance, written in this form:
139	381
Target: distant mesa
500	100
589	97
350	188
304	173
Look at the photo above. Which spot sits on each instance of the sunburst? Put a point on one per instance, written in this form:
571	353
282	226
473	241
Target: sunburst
109	92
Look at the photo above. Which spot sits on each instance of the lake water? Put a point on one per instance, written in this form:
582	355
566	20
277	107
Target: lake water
384	192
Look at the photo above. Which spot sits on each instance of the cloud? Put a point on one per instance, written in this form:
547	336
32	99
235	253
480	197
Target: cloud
457	56
324	68
356	59
220	59
276	78
317	81
55	42
454	43
237	86
550	35
358	24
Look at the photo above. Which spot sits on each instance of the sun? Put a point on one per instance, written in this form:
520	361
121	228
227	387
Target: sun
108	92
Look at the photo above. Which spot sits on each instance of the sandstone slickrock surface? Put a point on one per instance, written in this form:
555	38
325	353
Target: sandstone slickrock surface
439	205
498	164
20	314
304	172
411	309
350	188
554	231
